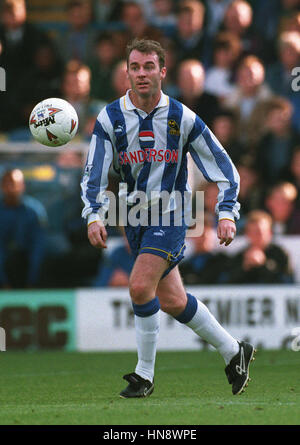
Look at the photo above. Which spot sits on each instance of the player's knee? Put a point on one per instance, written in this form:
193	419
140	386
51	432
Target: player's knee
139	292
173	307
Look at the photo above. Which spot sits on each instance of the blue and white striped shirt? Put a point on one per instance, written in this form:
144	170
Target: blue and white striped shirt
149	151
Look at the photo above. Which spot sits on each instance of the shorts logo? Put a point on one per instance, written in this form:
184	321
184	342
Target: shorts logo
146	139
160	233
174	127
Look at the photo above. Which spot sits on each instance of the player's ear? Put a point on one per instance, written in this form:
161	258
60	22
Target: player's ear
163	72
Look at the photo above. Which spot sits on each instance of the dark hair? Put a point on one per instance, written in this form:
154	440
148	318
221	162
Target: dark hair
227	41
147	46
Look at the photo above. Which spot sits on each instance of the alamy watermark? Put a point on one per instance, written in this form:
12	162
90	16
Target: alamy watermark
156	208
2	79
2	340
296	81
295	345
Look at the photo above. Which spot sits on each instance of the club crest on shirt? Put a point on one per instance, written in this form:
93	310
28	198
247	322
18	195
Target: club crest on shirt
174	129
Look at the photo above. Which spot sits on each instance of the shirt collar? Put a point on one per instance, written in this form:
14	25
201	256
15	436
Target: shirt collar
163	101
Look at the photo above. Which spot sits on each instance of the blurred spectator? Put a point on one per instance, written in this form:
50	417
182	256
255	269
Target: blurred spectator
163	16
22	237
204	266
41	81
70	261
261	261
106	11
19	42
238	21
292	173
274	151
19	39
215	11
219	77
250	194
265	17
191	78
190	39
132	16
169	85
249	91
281	203
289	16
77	41
116	266
120	81
76	88
279	75
102	66
225	127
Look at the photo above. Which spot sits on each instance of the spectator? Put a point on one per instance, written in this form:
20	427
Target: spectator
204	266
191	78
41	80
76	87
106	11
261	261
102	66
163	16
215	15
287	9
250	195
170	86
116	267
293	172
274	150
19	42
22	237
279	75
249	92
281	203
77	41
120	80
132	16
190	40
219	77
265	18
238	21
70	261
225	127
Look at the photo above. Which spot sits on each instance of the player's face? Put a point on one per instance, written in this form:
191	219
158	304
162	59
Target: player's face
144	73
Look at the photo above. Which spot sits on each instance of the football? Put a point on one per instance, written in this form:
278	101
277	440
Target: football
53	122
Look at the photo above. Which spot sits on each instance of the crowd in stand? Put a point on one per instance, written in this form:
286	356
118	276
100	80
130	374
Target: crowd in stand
231	61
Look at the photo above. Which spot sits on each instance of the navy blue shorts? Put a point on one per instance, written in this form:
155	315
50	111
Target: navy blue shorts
164	241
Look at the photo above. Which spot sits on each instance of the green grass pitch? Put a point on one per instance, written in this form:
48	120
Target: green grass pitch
60	388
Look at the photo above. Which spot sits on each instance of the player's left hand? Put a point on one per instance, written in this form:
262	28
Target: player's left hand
226	231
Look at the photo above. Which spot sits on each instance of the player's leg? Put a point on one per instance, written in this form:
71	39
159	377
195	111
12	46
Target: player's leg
143	282
190	311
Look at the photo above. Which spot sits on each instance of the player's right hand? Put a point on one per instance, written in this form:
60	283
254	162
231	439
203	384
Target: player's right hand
97	235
